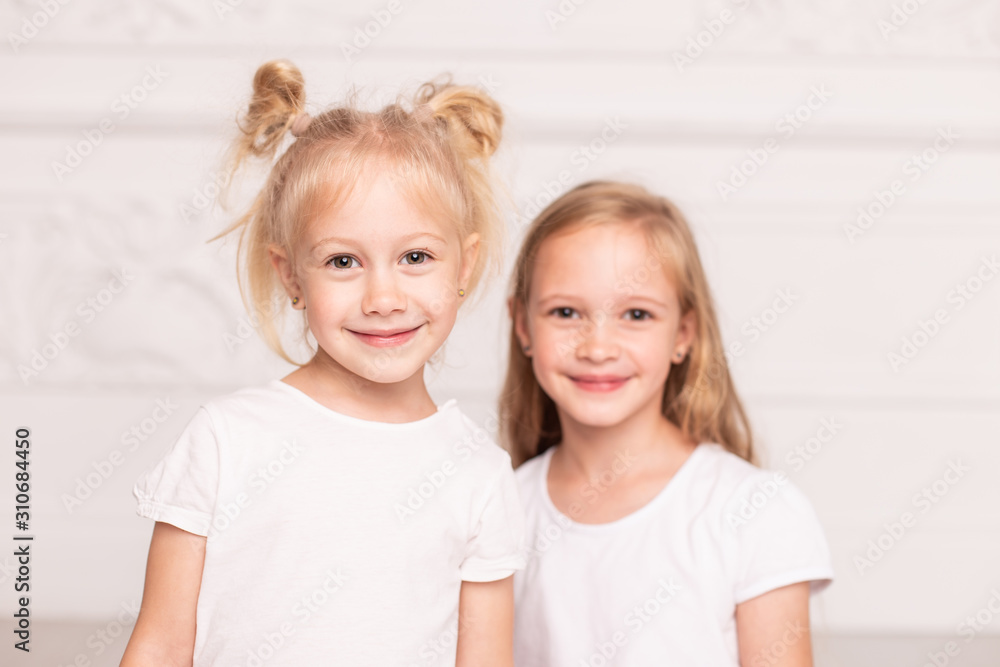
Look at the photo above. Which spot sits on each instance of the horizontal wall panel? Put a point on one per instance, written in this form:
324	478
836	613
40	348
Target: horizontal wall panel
720	99
828	182
763	28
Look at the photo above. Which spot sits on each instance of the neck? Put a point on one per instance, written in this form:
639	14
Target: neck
646	441
332	385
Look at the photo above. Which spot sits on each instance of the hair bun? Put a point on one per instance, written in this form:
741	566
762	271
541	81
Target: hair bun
468	110
278	96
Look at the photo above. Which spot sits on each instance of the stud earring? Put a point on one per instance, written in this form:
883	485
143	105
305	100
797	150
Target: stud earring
679	355
295	301
526	348
461	292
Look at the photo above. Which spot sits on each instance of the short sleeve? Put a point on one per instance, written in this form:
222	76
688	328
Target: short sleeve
181	489
778	537
496	548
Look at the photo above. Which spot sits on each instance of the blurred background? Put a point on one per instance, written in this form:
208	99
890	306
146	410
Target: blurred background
839	162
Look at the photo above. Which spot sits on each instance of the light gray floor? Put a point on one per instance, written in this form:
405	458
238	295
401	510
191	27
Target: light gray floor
880	651
60	645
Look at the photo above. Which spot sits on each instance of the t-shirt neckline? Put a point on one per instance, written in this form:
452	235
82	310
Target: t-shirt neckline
658	499
308	400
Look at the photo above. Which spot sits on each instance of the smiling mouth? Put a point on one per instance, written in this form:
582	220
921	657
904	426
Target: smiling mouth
388	338
599	383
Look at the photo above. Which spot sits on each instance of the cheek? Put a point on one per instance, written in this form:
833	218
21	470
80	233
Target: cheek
329	302
552	345
652	350
436	301
436	291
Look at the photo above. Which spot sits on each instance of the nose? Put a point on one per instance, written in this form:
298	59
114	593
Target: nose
596	342
383	294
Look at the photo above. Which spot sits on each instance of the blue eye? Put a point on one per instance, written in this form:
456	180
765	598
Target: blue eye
563	313
638	314
416	257
343	262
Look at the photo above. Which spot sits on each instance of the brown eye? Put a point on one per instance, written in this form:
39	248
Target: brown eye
415	257
638	314
343	262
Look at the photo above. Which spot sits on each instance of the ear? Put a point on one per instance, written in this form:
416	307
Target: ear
687	332
285	270
519	318
470	252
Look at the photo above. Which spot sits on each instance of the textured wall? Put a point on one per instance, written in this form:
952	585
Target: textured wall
114	115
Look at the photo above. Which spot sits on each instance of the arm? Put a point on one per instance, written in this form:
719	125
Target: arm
773	628
164	631
486	624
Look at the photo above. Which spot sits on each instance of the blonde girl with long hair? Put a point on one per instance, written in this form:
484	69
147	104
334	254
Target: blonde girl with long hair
338	515
653	539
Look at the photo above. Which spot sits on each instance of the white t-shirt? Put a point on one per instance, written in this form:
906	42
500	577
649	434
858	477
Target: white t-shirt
332	539
660	586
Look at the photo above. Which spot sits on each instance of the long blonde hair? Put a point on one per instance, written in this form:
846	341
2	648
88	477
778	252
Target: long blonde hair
439	144
699	396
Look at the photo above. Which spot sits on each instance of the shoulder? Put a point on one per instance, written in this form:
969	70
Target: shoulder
246	400
768	528
484	467
723	474
732	486
253	409
757	506
477	447
720	463
529	475
213	420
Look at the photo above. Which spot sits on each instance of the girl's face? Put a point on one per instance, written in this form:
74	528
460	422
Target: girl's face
603	323
379	281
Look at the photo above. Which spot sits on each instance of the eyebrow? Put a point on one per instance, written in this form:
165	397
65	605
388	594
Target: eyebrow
344	241
558	297
619	299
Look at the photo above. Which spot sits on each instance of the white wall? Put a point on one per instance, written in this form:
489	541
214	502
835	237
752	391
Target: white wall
685	130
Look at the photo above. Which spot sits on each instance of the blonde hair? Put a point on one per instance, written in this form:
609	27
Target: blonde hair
699	396
439	145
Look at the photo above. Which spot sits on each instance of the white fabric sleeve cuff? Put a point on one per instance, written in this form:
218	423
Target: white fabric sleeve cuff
496	549
191	521
818	577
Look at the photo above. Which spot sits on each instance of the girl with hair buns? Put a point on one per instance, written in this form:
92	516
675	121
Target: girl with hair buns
337	515
652	537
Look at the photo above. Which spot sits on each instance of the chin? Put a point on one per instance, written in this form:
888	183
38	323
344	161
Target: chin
597	418
386	365
392	374
383	370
